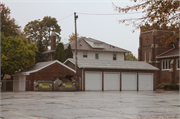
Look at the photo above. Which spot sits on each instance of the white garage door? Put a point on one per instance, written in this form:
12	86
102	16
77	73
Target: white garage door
145	81
111	81
129	81
93	81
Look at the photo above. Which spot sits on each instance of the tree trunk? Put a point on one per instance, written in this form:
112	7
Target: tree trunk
2	76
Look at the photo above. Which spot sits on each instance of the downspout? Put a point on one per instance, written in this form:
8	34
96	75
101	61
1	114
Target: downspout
82	79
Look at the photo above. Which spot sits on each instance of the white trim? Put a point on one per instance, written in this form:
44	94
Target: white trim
167	61
50	64
56	61
82	79
177	64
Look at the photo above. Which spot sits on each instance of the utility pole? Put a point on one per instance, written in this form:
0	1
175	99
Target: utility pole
76	65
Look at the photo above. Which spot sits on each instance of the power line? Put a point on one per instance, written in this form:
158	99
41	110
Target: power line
107	14
65	17
98	14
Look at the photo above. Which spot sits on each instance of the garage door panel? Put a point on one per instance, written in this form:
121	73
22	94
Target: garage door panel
145	81
111	81
129	81
93	81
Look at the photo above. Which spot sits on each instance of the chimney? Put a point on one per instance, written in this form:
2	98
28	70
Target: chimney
53	41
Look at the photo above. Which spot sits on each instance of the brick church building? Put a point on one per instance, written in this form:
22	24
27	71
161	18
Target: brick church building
166	58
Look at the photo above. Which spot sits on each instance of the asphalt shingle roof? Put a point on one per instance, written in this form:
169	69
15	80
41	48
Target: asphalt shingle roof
83	45
170	53
40	66
107	64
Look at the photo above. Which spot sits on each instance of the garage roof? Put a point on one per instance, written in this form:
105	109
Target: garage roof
40	66
107	64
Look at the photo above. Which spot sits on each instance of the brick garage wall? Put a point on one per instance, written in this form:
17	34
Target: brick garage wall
50	73
71	65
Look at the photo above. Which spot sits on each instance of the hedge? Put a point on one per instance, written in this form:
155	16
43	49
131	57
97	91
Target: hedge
171	86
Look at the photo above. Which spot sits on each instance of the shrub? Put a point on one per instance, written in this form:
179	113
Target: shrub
171	86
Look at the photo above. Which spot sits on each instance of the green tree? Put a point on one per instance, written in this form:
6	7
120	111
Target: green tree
69	53
40	57
8	26
130	57
156	13
59	53
16	54
42	29
72	37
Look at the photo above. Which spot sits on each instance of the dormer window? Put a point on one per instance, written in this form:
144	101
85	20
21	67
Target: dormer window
114	56
85	55
96	56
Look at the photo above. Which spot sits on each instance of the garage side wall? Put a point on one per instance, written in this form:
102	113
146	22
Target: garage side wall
50	73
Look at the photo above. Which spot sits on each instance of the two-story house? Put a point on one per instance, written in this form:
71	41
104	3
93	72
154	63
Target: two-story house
89	48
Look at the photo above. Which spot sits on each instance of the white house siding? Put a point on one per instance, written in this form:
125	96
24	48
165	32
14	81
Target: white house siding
102	55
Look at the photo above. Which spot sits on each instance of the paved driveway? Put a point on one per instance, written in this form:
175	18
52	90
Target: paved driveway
91	105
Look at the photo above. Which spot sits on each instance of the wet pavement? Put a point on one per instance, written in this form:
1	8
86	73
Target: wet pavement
90	105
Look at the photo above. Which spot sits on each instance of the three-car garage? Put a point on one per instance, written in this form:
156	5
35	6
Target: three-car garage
115	76
113	81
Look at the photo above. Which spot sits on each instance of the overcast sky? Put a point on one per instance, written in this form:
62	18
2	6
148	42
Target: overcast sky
101	27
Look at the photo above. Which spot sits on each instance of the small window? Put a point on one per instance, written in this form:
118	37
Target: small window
149	56
96	56
145	56
114	56
165	64
178	64
85	54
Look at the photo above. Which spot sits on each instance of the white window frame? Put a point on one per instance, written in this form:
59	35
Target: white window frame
178	68
145	56
165	64
114	56
149	56
96	55
85	54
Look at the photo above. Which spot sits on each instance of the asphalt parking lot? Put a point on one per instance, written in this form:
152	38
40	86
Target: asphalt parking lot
90	105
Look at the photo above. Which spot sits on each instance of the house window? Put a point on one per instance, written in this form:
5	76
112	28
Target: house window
149	56
96	56
165	64
114	56
178	64
85	54
145	56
